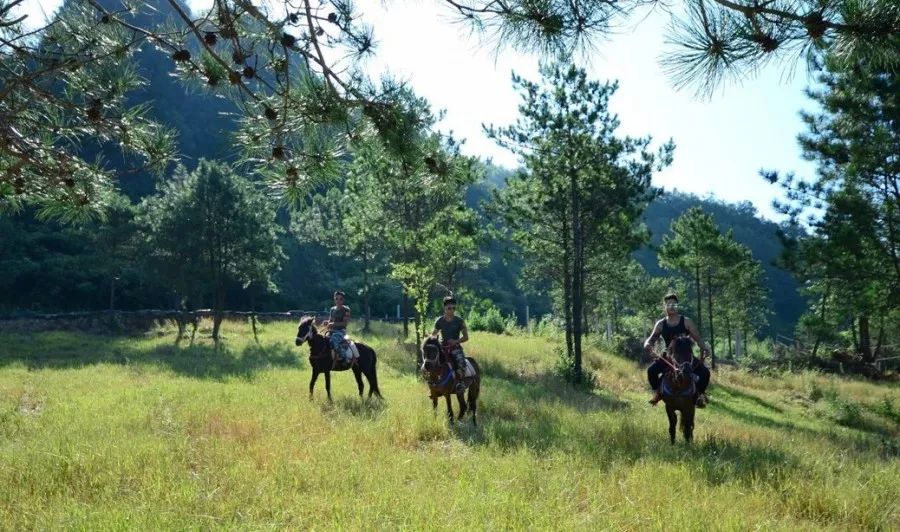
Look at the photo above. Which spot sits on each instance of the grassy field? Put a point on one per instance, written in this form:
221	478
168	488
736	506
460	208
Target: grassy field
136	433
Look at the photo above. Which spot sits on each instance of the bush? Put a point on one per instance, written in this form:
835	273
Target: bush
490	319
564	367
546	327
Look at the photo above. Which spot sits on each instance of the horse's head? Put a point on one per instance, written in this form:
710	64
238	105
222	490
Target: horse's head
431	355
682	349
681	376
305	330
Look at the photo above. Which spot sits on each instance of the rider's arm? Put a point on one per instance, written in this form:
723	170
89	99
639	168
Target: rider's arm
654	336
465	333
694	332
434	333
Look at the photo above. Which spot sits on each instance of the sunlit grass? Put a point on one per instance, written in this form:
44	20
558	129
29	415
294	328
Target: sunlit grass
134	432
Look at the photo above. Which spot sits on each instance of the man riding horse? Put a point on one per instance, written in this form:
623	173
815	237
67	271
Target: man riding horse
453	334
673	326
338	319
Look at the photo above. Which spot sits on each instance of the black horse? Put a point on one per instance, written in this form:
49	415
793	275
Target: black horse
679	387
441	380
321	362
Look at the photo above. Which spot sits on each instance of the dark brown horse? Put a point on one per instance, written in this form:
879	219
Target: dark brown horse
679	387
442	381
320	360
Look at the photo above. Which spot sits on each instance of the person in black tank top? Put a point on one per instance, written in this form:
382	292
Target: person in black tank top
673	326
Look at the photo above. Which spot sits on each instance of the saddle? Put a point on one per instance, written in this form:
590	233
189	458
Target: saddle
349	347
682	383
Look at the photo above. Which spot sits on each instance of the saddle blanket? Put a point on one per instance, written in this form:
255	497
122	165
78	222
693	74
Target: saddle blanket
349	351
470	369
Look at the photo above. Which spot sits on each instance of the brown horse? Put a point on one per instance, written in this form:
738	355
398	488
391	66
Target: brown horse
442	381
320	360
679	387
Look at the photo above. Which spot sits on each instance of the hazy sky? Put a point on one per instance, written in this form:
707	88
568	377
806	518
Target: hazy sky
721	142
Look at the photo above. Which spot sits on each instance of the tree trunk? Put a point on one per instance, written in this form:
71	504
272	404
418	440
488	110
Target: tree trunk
418	322
865	340
877	352
404	308
709	310
728	331
699	298
577	273
366	303
218	308
824	302
567	290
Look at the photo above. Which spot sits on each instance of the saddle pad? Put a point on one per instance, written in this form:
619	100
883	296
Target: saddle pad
470	370
354	351
667	390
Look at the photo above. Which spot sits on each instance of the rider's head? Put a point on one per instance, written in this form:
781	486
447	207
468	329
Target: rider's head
339	297
670	304
449	305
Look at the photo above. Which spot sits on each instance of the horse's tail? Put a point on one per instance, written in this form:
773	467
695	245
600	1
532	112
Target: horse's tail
475	387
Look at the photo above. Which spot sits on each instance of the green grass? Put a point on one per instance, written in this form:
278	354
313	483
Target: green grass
136	433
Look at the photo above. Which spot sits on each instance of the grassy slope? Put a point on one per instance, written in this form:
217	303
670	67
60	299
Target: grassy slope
133	432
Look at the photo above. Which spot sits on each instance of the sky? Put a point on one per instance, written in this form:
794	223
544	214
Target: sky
721	141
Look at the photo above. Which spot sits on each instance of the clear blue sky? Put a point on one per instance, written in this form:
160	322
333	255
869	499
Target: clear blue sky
722	142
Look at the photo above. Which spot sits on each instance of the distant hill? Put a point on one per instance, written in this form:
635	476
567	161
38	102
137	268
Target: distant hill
759	234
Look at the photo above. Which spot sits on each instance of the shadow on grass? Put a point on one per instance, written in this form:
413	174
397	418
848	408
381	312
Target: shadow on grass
73	350
363	408
734	392
539	419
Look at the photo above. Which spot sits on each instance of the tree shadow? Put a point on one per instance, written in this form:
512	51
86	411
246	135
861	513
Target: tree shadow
204	361
869	442
542	386
734	392
539	420
363	408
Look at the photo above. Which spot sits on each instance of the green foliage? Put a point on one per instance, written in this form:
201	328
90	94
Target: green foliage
731	276
209	229
848	254
581	184
489	318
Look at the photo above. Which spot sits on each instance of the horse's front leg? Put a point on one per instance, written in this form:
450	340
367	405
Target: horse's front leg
673	420
312	383
687	422
449	407
328	384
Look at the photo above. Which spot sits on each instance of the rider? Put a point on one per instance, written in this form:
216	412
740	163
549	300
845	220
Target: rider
339	317
671	327
453	333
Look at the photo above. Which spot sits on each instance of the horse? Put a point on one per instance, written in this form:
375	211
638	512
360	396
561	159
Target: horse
320	360
441	380
679	387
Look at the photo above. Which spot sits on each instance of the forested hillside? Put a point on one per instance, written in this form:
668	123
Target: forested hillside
49	266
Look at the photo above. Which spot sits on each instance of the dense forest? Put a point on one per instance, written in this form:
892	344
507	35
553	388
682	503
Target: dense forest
370	197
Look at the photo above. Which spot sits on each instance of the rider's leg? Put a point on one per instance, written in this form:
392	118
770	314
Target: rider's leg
654	373
337	338
460	360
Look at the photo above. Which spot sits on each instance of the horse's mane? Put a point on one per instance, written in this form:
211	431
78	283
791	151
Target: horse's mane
682	348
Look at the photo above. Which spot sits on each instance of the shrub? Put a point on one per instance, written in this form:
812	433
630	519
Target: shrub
490	319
